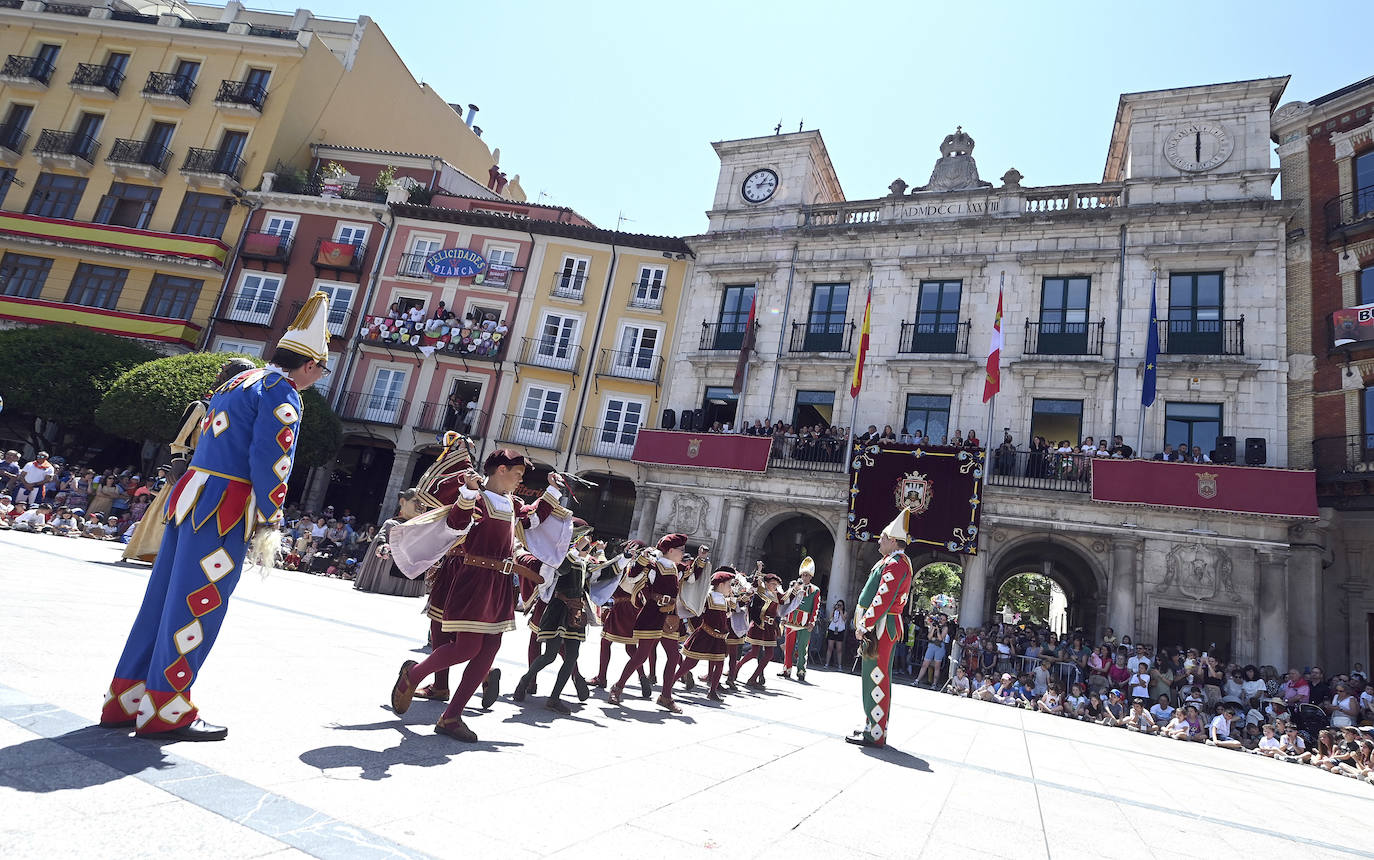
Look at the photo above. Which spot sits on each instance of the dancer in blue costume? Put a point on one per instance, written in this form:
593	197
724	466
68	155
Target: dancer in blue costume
236	484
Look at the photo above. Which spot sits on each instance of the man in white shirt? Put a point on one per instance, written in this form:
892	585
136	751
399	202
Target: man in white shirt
1138	659
33	477
1219	735
1162	711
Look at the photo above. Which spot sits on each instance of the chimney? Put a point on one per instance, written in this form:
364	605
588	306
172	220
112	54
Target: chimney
472	114
477	130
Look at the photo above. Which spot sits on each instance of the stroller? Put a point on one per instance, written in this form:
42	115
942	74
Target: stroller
1310	719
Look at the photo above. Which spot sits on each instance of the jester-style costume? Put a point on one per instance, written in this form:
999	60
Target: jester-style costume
878	621
798	623
236	481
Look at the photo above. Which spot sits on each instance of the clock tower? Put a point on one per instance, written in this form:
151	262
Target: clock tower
1195	143
764	181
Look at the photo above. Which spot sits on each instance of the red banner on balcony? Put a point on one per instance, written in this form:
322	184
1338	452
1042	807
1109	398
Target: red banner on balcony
729	451
943	488
338	255
1353	325
1206	486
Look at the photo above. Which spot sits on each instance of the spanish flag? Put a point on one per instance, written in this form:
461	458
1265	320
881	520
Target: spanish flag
992	382
858	381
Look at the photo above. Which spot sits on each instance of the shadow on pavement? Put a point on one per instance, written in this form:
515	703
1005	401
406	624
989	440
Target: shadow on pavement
417	748
535	714
897	757
32	766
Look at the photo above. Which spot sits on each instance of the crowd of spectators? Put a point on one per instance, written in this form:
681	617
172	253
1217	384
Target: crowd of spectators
323	543
48	495
1172	691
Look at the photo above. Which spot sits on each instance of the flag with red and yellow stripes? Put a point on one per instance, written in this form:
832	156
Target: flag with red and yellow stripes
858	380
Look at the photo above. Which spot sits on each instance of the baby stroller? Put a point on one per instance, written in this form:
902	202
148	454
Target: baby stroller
1310	719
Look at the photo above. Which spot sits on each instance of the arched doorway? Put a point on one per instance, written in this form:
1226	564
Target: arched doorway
607	507
789	541
1066	567
359	477
935	586
1035	599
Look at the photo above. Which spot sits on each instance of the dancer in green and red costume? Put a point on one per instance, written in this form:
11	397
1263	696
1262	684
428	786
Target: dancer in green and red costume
799	621
878	625
234	486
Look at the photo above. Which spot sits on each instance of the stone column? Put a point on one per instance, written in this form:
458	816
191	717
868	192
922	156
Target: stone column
1121	583
401	466
733	539
646	513
838	586
973	591
1304	608
1273	608
316	485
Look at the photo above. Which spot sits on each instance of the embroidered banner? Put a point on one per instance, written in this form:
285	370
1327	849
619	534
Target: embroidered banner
943	487
1206	486
703	450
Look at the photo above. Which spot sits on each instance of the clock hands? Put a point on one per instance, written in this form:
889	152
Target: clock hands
1197	146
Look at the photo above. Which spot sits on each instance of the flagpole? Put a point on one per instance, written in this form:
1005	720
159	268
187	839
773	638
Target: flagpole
1151	335
992	401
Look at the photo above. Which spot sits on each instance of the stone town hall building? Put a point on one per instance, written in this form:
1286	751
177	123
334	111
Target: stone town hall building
1186	198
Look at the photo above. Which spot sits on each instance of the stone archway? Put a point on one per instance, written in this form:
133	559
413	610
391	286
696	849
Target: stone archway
1067	565
787	539
922	559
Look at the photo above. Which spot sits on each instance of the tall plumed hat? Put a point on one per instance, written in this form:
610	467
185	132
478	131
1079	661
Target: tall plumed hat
897	529
308	333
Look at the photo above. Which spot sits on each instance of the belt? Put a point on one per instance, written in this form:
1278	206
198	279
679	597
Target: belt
713	634
502	565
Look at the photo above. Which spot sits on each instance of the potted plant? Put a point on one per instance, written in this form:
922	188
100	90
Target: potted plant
331	179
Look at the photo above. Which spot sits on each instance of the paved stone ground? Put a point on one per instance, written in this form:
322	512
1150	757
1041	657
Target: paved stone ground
317	764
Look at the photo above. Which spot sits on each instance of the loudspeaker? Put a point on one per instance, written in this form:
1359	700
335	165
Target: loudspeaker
699	420
670	420
1255	454
686	423
1226	449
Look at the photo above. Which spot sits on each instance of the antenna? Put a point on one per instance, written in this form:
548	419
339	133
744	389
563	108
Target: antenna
777	129
799	123
621	219
540	199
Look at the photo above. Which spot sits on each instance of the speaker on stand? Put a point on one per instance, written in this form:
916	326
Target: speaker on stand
669	419
1255	452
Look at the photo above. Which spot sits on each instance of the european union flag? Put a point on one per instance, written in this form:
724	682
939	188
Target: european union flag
1147	388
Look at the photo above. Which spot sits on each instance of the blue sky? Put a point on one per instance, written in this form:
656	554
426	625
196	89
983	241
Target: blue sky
610	108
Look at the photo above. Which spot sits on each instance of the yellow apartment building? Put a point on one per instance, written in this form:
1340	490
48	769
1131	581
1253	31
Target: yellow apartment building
599	318
129	135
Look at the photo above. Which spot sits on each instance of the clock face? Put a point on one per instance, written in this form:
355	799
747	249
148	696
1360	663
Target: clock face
759	185
1197	147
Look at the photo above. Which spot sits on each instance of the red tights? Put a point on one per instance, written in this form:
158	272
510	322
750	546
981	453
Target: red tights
762	655
478	650
644	653
712	673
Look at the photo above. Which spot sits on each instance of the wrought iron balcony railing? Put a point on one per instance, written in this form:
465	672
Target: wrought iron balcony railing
612	442
440	417
413	266
1349	215
372	408
98	76
13	138
139	152
34	69
244	93
807	453
723	336
568	286
552	352
535	431
213	161
1202	337
54	142
275	247
949	338
168	84
816	337
1338	458
1064	338
1036	470
630	364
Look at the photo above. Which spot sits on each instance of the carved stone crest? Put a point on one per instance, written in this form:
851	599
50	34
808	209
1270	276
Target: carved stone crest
956	170
1197	572
689	514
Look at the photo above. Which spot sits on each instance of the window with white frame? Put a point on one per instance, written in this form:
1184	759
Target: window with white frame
648	287
557	343
340	298
279	225
413	261
570	281
620	423
351	234
256	298
538	420
636	356
385	400
242	347
499	263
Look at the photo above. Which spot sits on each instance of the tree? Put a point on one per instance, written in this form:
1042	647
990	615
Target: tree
934	579
61	373
1028	594
321	432
147	402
